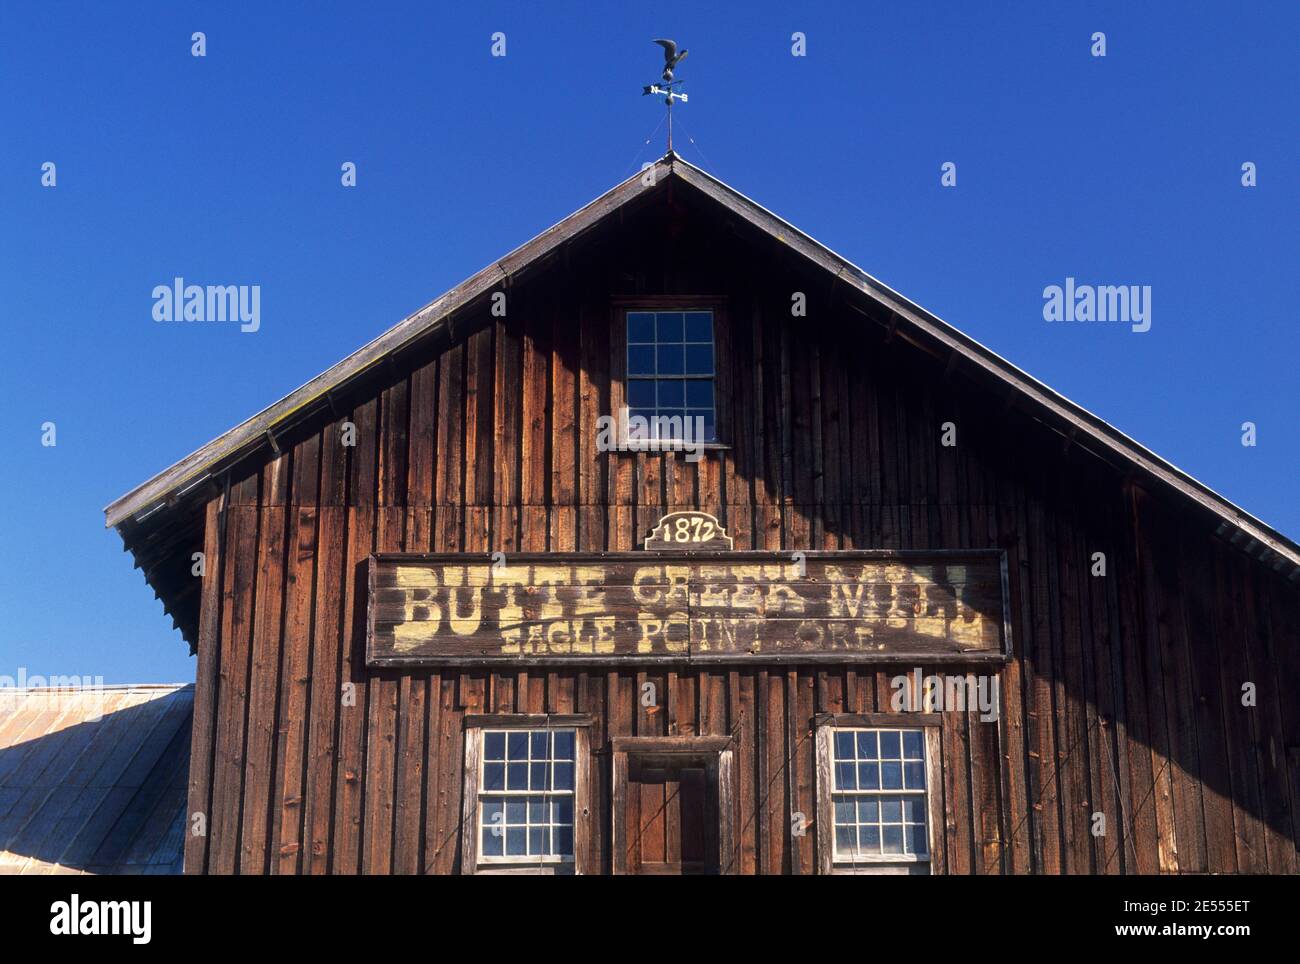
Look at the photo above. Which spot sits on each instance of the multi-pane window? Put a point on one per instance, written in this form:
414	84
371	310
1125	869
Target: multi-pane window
879	794
670	371
526	794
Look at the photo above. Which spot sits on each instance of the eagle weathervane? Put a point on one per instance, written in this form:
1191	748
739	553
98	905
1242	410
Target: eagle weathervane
671	59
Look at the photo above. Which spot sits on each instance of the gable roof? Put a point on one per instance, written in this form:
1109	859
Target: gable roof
911	321
93	780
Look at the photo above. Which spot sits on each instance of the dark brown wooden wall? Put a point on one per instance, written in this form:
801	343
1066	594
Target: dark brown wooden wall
1124	696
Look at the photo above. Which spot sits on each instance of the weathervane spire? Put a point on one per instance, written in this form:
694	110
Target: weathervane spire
671	59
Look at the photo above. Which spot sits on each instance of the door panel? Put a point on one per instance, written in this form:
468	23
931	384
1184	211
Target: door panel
671	817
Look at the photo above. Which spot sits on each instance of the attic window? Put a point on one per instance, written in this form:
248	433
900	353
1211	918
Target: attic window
670	372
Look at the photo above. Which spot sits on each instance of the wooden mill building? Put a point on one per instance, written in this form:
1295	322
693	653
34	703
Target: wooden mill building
448	622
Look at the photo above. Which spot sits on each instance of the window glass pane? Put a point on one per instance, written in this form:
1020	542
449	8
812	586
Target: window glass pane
891	776
537	776
846	838
843	811
868	810
869	776
670	359
672	393
889	748
920	843
516	841
845	777
707	429
493	843
699	326
668	423
867	746
640	326
492	814
494	746
562	841
915	775
699	360
494	776
871	839
640	360
517	746
537	810
892	837
891	810
668	326
516	812
640	393
699	393
562	810
914	809
912	745
564	745
564	776
540	739
844	745
537	841
517	776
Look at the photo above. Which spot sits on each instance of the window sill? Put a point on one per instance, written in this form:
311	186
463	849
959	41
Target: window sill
841	861
562	868
901	868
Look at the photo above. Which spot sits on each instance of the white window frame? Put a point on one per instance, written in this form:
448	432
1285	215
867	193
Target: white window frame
476	728
829	862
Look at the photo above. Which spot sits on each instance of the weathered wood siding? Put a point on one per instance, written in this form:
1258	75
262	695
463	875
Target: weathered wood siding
1124	696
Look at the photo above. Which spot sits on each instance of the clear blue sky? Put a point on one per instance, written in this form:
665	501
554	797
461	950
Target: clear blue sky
225	170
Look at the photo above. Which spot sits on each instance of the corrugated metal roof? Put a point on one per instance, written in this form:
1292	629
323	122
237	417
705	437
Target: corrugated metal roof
94	780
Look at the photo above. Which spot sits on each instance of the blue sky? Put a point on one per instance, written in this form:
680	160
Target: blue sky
226	170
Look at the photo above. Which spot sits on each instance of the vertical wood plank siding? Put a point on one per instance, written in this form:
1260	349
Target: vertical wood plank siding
1124	697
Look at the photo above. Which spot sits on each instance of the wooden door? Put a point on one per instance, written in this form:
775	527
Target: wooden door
671	816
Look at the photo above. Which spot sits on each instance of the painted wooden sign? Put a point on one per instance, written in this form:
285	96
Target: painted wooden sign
576	608
690	530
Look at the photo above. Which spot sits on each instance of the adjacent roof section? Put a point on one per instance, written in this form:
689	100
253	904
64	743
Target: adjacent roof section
94	780
165	490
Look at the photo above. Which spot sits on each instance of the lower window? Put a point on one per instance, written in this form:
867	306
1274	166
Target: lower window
526	799
879	781
526	794
876	806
